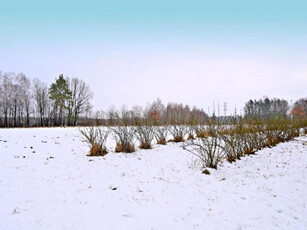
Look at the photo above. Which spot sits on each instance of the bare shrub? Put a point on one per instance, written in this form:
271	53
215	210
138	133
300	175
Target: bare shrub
145	135
124	137
191	132
160	133
178	133
271	134
206	131
279	130
96	138
208	150
258	134
249	140
231	144
249	136
97	150
201	132
192	124
126	148
289	130
122	132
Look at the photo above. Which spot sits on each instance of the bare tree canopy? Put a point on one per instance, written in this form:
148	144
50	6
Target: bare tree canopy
80	99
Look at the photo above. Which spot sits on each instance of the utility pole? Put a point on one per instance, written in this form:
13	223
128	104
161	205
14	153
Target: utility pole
225	108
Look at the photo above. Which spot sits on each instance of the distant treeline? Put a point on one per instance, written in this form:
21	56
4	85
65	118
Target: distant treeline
67	102
267	108
157	113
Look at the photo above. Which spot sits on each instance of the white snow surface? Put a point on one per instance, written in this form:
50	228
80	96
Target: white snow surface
48	182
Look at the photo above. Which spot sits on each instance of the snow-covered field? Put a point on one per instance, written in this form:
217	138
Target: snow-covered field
48	182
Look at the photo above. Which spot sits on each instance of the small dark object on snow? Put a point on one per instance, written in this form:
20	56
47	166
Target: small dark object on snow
206	171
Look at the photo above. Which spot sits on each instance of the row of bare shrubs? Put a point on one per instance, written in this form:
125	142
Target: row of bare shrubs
210	143
125	137
238	138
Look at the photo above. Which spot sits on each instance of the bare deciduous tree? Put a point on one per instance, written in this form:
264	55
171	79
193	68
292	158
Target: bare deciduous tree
15	99
41	97
79	101
24	84
6	96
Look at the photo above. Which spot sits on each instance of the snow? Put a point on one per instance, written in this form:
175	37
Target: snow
48	182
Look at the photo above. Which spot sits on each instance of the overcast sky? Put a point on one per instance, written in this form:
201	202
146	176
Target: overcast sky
131	52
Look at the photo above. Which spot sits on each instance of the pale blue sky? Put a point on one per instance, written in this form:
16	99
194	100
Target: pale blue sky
131	52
